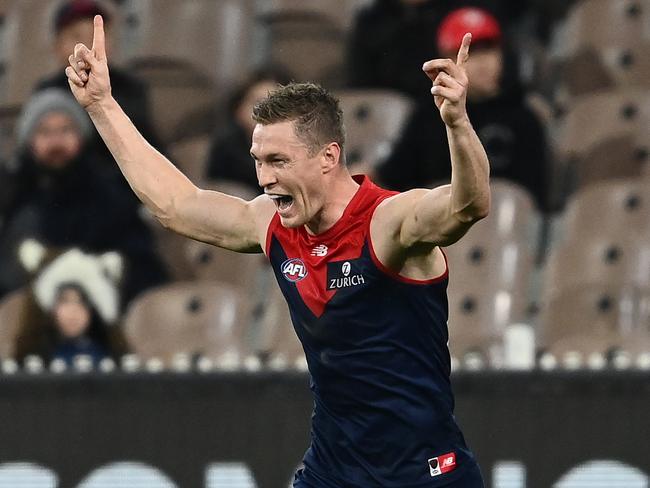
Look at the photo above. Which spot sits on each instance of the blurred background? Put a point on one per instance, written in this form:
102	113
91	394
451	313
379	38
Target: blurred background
133	357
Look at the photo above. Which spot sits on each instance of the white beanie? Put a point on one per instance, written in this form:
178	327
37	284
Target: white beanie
44	102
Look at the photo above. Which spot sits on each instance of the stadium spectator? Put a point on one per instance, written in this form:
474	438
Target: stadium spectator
62	197
392	38
511	133
73	308
72	24
229	156
389	42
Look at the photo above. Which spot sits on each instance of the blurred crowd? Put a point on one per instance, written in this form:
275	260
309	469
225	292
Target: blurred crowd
82	263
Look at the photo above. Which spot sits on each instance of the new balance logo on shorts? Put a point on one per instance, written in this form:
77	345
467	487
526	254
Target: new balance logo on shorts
442	464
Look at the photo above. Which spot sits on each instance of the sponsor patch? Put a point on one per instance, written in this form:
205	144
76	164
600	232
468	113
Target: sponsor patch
442	464
294	270
343	274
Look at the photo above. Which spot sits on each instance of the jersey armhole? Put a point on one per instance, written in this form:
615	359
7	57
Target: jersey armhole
269	233
395	275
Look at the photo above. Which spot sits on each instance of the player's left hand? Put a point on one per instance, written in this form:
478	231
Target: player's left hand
450	84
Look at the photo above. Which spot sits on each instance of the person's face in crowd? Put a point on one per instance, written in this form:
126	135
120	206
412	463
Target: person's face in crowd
79	31
289	173
71	314
244	110
56	140
484	70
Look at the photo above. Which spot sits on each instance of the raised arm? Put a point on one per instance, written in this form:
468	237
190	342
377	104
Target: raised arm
443	215
172	198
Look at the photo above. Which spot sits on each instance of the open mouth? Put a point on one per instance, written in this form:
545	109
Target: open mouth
283	202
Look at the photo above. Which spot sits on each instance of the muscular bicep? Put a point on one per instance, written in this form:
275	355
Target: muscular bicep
426	216
223	220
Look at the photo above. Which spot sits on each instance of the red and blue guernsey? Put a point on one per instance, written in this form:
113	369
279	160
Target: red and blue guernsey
376	346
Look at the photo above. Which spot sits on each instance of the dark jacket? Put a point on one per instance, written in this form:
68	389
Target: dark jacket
229	158
511	133
82	206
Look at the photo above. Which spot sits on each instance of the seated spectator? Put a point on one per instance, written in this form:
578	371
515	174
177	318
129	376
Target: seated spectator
74	307
229	156
72	24
510	131
390	41
62	197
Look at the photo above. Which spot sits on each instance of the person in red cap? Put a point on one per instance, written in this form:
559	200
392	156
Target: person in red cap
510	131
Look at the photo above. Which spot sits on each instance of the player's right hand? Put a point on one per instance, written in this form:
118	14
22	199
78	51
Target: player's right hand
88	69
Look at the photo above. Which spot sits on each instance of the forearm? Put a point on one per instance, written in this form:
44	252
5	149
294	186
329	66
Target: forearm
156	182
470	172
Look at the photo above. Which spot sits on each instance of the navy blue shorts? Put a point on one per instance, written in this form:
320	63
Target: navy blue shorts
471	479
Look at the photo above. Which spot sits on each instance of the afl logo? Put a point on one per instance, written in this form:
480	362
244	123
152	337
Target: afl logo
345	269
294	270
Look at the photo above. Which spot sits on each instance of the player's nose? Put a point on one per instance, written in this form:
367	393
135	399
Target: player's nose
265	176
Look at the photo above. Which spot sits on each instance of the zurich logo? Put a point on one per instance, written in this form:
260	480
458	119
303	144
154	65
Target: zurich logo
294	269
346	268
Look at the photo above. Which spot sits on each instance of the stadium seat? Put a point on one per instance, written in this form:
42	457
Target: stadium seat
478	316
595	318
208	262
605	135
189	155
622	259
189	318
500	249
374	120
12	308
215	37
604	23
310	47
607	114
279	343
28	36
596	69
176	90
609	208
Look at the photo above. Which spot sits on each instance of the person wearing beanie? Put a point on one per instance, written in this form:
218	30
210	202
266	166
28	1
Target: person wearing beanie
73	23
61	195
510	131
73	306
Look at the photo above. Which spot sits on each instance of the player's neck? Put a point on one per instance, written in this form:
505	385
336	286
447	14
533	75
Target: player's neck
338	195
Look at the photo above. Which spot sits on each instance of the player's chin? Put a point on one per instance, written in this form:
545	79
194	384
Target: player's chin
291	222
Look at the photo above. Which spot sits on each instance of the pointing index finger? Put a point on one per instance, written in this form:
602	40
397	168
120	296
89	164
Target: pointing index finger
463	52
99	45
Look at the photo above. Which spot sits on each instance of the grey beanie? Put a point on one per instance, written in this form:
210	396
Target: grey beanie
44	102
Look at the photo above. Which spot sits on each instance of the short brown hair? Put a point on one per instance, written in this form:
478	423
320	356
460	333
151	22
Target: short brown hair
317	116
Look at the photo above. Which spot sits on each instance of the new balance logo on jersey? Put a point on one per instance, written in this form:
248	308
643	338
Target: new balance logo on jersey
294	270
442	464
343	275
320	250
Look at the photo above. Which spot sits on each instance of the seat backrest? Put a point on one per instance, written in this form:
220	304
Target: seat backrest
176	90
594	318
598	258
208	262
478	316
215	37
28	35
602	23
374	120
279	342
190	155
612	208
12	308
604	115
207	318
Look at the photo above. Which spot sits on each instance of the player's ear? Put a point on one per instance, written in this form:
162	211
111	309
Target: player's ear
331	157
